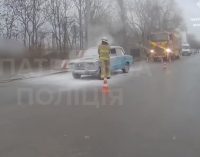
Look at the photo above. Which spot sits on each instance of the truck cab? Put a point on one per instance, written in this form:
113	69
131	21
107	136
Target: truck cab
164	45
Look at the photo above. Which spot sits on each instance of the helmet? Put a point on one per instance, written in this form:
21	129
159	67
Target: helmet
104	39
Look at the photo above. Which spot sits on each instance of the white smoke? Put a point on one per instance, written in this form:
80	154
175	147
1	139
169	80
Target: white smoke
96	33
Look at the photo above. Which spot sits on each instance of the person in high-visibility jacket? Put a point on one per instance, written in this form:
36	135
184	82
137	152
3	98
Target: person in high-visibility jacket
104	56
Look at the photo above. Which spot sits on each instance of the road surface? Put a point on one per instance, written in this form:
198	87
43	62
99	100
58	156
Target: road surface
151	112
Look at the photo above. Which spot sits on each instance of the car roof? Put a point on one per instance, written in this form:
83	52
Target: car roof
116	47
112	47
185	44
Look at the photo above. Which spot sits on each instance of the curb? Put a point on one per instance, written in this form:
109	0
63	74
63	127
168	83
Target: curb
24	77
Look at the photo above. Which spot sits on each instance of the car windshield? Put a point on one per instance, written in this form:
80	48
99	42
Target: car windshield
92	52
186	47
159	37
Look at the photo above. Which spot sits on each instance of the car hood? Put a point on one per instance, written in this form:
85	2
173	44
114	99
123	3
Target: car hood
85	60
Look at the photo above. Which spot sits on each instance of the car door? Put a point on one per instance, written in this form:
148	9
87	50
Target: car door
120	58
113	59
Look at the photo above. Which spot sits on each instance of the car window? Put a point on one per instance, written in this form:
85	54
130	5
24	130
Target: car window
113	52
119	52
186	47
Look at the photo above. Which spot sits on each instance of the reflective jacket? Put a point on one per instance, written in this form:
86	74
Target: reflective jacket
104	52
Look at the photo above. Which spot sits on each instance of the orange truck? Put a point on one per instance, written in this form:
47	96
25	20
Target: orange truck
164	46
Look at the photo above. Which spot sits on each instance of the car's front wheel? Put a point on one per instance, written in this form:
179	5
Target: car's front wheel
126	68
76	76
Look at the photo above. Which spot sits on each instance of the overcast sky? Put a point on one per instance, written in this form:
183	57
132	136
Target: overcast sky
190	10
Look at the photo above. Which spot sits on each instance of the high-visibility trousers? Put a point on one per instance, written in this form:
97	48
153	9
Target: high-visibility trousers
105	69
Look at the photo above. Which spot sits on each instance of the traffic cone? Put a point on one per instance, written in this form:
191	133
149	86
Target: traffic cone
105	88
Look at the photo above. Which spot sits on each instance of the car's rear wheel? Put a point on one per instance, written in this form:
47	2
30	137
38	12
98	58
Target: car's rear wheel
126	68
76	76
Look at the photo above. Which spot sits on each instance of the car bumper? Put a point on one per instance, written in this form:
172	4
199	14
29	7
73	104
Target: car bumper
86	72
186	53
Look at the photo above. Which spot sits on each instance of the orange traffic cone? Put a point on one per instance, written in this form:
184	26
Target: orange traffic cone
105	88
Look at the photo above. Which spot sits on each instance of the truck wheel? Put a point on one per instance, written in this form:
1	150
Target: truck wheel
76	76
126	68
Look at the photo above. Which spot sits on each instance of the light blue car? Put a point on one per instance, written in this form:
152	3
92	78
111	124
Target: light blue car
89	64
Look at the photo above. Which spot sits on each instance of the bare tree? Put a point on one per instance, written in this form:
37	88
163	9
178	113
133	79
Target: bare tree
153	15
92	14
124	19
30	16
61	22
37	19
22	9
80	6
79	23
8	18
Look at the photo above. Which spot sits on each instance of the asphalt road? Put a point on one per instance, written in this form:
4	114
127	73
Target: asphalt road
150	112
